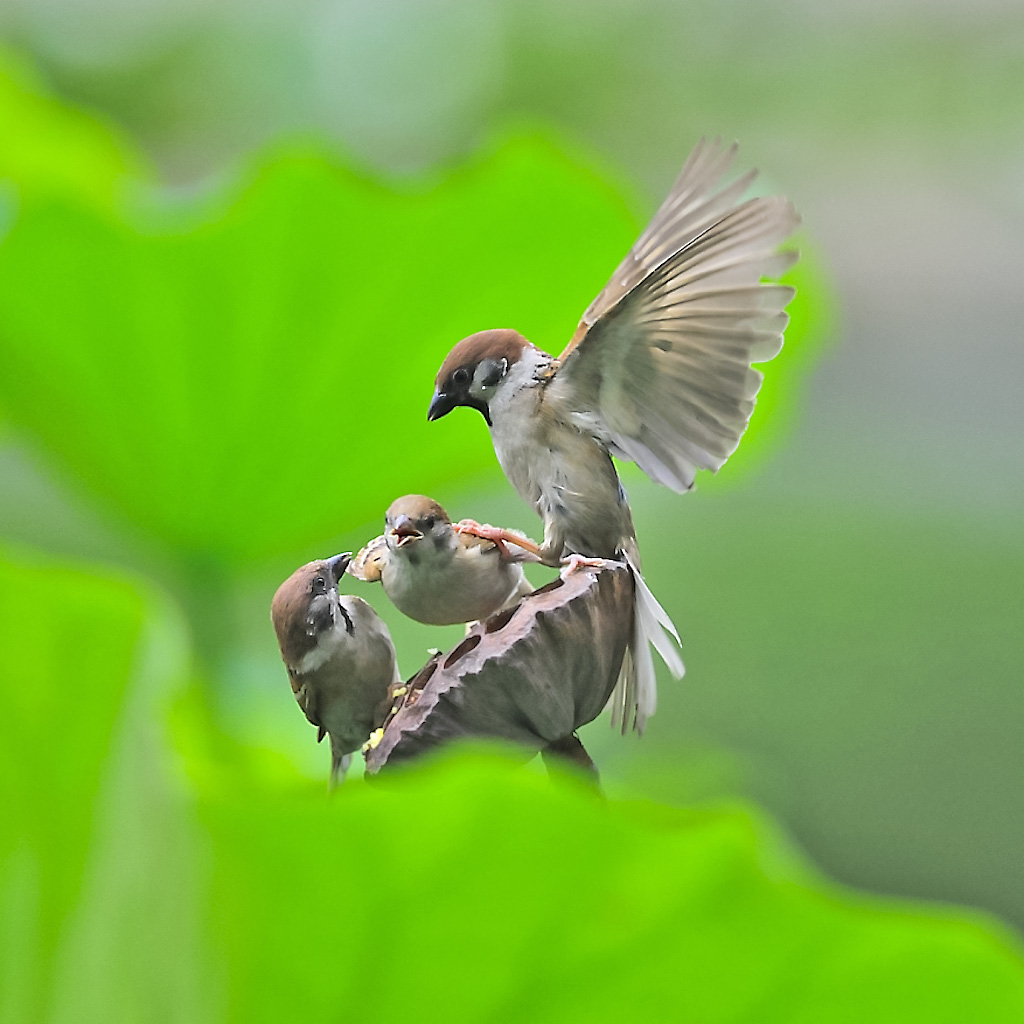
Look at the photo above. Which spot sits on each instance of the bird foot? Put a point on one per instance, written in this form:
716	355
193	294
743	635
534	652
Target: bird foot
498	536
576	562
484	530
495	534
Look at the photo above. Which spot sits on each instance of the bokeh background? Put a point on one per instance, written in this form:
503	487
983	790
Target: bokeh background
238	240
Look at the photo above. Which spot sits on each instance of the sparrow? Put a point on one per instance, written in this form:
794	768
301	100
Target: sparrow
339	657
433	573
658	372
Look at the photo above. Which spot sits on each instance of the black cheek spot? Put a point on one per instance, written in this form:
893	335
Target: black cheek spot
492	378
348	622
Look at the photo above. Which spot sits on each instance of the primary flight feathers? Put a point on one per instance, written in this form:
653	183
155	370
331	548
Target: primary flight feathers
660	366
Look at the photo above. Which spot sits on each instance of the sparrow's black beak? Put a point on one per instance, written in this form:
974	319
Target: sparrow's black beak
440	405
338	564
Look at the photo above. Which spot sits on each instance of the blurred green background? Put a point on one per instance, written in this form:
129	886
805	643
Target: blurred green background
236	243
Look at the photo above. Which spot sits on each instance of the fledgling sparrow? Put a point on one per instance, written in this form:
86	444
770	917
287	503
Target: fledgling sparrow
434	574
338	654
658	371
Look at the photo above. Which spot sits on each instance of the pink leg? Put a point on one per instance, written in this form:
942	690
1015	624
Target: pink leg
576	562
496	535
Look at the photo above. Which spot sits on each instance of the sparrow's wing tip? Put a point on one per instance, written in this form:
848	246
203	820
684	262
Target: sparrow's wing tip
368	563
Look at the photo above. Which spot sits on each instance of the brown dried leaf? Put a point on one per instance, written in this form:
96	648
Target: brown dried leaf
532	675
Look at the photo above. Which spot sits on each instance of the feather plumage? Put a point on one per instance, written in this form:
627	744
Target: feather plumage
659	371
663	356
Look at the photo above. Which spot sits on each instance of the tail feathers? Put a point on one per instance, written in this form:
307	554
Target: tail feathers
635	696
657	626
624	694
339	765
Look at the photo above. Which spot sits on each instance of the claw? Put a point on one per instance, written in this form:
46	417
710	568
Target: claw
483	530
576	562
497	536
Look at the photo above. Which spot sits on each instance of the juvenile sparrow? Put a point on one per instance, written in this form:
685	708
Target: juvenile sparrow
658	371
434	574
338	654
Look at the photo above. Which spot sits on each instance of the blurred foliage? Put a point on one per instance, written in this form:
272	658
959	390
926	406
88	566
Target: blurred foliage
217	355
866	670
489	894
416	81
59	719
97	910
242	378
467	891
278	359
50	149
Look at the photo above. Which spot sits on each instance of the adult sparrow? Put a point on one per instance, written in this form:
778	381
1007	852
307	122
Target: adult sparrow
338	654
658	371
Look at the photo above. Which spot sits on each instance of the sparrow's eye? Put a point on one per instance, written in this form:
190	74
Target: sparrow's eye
429	522
319	585
461	376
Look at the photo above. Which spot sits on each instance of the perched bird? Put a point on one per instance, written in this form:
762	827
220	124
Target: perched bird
658	371
339	657
434	574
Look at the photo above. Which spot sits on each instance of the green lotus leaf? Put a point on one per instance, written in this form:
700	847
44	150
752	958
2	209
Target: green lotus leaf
139	883
472	892
50	148
95	858
250	375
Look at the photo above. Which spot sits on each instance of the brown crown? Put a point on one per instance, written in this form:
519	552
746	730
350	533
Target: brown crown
499	343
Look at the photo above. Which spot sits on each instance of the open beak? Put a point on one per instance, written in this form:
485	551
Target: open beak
404	530
339	563
440	405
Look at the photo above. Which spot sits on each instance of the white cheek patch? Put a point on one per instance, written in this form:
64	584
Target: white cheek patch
520	375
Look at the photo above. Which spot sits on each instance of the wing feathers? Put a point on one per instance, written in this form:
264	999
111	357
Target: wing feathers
368	563
661	363
741	303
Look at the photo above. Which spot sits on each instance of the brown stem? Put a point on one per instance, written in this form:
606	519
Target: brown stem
570	750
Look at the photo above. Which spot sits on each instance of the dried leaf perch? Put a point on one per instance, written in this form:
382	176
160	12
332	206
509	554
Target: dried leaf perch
532	674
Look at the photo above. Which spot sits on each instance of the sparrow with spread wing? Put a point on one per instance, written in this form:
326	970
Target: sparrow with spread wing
434	574
658	371
338	654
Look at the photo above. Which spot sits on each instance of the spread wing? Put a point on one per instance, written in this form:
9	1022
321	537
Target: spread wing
369	562
660	366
